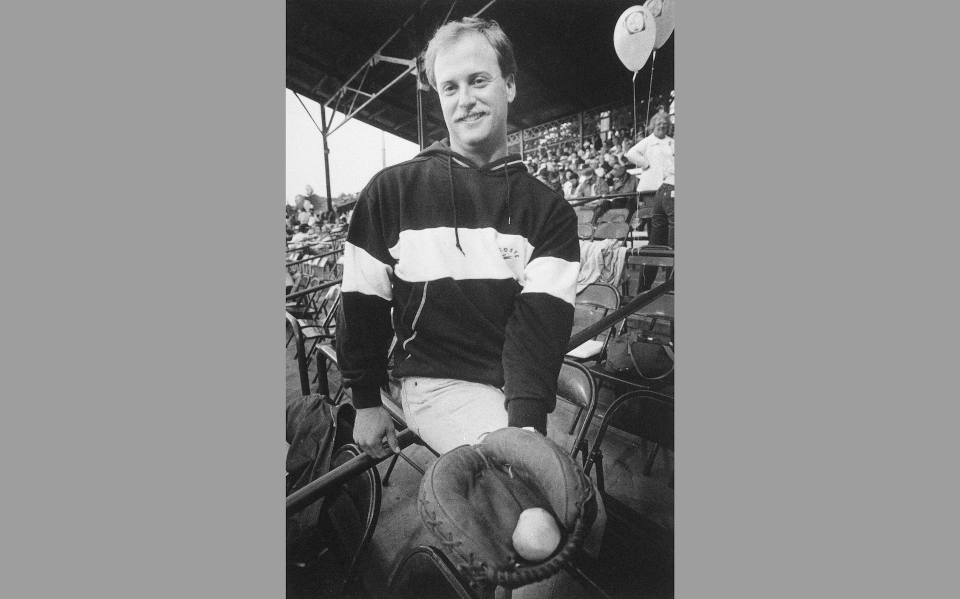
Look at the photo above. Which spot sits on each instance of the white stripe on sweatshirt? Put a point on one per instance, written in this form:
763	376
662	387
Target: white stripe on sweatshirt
365	274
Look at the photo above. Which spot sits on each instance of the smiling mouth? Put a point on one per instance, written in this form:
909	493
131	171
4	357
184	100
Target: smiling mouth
475	116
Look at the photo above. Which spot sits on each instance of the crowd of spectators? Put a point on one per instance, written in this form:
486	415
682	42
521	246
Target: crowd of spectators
597	167
310	216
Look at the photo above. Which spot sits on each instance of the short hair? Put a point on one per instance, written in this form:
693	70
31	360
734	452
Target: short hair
304	228
454	30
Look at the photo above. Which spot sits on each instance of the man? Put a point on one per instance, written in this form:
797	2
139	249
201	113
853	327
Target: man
476	259
303	216
553	178
590	185
655	155
570	185
620	182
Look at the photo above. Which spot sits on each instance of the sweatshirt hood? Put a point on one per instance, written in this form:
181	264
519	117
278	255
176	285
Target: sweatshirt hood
511	163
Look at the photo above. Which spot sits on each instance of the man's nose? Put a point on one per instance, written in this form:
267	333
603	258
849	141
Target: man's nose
466	99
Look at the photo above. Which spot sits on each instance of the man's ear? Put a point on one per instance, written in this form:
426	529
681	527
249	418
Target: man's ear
511	88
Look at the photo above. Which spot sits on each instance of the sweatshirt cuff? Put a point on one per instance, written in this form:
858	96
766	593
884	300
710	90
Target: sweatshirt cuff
366	396
527	412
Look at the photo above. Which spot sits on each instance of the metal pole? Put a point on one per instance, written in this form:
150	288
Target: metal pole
334	479
613	318
479	12
421	135
580	147
326	155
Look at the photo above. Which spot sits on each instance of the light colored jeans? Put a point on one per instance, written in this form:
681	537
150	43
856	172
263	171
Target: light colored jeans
448	413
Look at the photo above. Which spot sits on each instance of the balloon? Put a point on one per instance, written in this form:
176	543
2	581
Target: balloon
634	36
662	11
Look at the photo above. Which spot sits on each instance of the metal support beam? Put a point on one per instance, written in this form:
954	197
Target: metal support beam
372	98
421	116
378	58
379	50
477	14
358	91
580	146
326	153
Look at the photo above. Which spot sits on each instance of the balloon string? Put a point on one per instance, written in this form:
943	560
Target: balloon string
632	141
650	90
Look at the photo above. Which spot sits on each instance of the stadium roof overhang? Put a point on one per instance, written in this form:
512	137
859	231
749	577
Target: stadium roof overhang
565	56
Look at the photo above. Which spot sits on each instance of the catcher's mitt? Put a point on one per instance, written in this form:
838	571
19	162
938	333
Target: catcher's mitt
471	498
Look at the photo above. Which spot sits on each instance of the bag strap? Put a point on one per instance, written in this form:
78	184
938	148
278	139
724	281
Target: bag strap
667	348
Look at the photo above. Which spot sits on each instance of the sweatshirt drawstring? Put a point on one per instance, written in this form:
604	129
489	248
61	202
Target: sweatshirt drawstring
453	201
509	210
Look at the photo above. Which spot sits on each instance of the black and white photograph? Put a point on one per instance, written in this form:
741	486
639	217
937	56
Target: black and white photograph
479	369
480	350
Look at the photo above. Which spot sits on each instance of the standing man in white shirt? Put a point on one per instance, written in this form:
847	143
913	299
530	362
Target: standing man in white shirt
655	155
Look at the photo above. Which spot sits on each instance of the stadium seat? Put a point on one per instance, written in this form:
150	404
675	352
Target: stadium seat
653	421
614	215
575	386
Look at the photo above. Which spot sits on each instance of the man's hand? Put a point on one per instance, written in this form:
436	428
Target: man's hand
373	431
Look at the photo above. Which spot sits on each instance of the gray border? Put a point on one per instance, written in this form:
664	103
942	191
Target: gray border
147	388
804	299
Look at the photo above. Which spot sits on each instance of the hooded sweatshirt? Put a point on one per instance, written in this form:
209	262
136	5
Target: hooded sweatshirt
474	269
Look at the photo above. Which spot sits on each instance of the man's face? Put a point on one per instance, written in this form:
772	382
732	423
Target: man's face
473	94
660	128
309	190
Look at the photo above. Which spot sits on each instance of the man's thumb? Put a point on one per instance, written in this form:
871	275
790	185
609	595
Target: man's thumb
392	440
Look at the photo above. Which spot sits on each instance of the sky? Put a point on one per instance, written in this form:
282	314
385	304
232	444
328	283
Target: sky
355	151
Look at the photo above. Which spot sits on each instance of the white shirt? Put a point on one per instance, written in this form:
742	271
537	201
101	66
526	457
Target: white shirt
656	157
